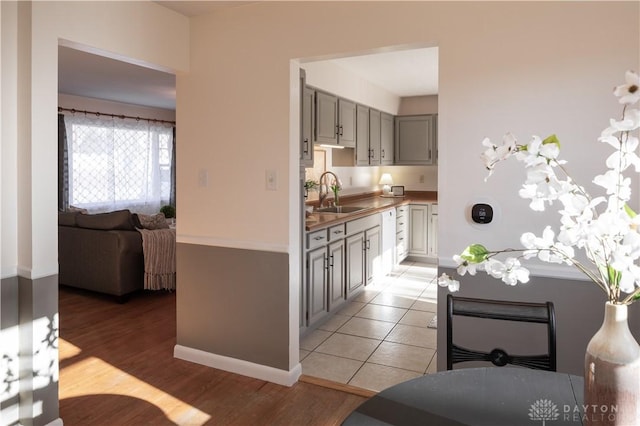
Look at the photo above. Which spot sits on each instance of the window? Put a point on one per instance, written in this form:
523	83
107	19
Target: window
117	163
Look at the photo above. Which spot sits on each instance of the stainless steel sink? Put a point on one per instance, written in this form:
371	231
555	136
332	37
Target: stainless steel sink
340	209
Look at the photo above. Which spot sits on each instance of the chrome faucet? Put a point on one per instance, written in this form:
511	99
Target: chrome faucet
322	195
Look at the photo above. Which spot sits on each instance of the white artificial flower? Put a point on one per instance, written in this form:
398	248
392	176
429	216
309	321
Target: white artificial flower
464	266
446	281
494	154
629	93
514	272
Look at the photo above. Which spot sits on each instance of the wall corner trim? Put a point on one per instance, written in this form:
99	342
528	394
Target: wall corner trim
238	366
56	422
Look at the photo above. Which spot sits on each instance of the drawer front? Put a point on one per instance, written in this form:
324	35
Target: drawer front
401	244
402	224
316	239
363	224
402	211
337	232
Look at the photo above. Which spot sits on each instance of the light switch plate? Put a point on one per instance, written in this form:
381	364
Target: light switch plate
271	180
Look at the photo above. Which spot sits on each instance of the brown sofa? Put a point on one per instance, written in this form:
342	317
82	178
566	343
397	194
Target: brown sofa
100	252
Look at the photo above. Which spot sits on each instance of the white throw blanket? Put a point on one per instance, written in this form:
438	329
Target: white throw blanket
159	248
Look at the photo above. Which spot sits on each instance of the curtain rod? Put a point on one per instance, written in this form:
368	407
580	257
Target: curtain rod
98	114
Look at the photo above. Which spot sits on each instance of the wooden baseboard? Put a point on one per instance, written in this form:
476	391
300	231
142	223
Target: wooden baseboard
354	390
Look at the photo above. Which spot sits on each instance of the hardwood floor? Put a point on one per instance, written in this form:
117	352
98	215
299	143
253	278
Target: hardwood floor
117	368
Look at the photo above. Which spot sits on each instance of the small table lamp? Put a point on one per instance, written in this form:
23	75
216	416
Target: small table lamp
386	180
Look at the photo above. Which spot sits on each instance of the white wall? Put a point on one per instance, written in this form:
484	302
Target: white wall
142	31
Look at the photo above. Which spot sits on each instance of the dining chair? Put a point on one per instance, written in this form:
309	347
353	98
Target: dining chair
542	313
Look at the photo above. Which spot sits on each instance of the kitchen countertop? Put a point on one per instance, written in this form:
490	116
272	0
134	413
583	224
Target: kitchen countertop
371	204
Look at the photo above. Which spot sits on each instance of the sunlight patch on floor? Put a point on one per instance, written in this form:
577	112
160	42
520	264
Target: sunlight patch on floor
103	378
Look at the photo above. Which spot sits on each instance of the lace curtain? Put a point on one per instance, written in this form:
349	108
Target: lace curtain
116	163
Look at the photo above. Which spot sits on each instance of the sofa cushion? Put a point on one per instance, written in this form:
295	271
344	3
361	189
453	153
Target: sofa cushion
119	219
67	218
156	221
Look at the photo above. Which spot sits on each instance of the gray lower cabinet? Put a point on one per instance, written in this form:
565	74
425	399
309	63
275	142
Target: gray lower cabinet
336	274
317	289
340	261
364	260
372	254
355	246
415	139
402	233
423	231
419	225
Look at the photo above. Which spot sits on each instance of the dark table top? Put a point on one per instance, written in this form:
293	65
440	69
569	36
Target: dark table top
491	396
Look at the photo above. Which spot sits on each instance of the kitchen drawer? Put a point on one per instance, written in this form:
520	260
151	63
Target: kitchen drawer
337	232
363	224
402	210
316	239
402	224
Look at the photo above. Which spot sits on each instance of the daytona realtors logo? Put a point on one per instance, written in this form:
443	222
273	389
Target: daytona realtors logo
544	410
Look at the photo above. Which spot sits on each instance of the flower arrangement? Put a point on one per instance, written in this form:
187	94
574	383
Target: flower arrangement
603	228
336	186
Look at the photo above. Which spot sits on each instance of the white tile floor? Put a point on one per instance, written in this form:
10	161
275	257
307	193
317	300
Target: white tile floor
380	338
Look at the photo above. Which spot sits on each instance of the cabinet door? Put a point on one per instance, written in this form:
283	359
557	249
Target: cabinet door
418	223
307	126
374	137
326	118
346	123
433	233
363	136
373	254
355	262
317	303
336	274
386	139
414	139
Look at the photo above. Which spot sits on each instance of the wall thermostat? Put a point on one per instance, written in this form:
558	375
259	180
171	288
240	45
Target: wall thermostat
482	213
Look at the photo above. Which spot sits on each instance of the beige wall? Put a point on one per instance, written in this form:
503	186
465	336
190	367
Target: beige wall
504	66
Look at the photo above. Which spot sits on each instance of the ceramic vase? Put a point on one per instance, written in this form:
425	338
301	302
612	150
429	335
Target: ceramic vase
612	372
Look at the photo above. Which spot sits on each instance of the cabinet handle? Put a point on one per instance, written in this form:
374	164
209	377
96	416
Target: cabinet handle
337	129
306	146
401	223
382	154
337	232
368	245
318	238
331	262
342	133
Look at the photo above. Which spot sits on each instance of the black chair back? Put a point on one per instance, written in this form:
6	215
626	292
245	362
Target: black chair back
501	310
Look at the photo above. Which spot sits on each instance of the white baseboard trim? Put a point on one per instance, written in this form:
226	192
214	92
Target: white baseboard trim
56	422
238	366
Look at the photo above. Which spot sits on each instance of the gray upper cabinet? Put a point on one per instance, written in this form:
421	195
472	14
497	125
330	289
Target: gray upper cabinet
363	135
335	120
346	123
374	137
307	126
326	118
386	139
415	139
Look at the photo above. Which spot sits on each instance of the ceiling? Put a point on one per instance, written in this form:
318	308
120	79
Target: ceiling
94	76
408	72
